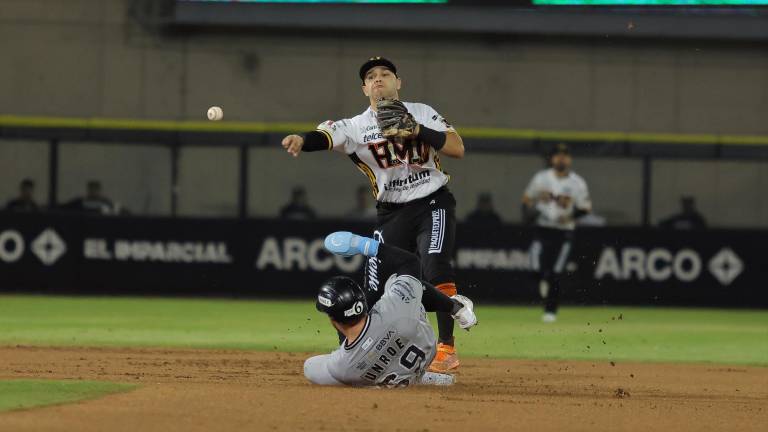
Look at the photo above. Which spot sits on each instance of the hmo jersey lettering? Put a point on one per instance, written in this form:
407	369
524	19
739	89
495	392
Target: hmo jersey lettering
412	172
564	193
396	345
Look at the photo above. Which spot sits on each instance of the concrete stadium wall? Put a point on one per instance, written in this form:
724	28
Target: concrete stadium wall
87	58
208	182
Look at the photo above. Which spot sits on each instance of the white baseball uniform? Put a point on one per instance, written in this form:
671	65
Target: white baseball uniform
565	194
412	172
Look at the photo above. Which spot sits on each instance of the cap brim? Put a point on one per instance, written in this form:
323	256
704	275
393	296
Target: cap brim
370	64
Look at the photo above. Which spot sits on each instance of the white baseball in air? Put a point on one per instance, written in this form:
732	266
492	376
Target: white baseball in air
215	113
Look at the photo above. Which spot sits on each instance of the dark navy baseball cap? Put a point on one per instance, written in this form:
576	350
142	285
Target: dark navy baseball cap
376	61
559	148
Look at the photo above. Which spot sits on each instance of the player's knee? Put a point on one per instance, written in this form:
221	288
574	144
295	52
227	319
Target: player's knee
316	370
310	369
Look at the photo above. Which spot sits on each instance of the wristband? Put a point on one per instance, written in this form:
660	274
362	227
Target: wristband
316	141
431	137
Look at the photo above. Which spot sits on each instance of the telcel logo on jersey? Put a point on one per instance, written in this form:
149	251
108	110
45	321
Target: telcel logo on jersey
373	136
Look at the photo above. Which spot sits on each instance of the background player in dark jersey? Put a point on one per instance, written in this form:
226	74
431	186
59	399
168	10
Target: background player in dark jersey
416	211
391	343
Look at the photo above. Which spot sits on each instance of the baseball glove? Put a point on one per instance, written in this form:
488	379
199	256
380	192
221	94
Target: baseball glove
394	119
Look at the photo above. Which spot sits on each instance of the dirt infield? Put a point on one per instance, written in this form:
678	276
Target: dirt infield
195	390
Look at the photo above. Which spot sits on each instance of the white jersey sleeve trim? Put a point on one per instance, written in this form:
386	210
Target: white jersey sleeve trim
339	133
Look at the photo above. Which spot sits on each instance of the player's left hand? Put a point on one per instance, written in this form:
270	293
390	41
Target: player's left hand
394	120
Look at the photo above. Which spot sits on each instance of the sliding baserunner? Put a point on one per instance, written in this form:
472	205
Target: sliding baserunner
390	343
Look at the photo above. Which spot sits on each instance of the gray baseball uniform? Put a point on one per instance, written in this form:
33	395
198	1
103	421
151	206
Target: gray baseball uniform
394	348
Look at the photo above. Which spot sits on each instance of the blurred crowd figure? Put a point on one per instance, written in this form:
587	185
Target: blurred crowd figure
93	202
297	208
364	210
688	219
484	214
25	202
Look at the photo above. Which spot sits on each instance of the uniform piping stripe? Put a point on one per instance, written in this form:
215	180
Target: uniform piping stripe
564	251
535	254
371	177
359	338
365	169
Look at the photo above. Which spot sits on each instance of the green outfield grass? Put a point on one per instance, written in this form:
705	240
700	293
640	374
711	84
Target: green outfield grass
582	333
24	394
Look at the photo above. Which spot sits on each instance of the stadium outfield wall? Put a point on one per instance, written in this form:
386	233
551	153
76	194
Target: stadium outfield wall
72	254
210	169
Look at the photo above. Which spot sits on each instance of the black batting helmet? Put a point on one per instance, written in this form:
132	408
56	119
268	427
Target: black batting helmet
342	299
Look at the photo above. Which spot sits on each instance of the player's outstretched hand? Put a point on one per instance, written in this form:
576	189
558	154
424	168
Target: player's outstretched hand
345	243
293	144
466	315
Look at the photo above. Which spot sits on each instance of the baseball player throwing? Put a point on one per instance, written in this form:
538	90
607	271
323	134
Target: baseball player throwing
553	200
397	145
392	343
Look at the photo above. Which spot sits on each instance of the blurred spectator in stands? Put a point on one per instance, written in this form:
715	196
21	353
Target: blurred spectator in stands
94	202
688	219
363	210
26	200
297	208
484	214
